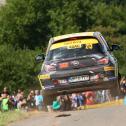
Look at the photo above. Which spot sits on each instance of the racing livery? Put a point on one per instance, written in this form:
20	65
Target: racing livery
79	62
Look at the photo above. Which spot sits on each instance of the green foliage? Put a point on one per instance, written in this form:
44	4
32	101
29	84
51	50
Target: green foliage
121	55
23	23
17	68
69	16
27	24
11	116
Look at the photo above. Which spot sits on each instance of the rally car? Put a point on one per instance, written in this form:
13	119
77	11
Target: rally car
78	62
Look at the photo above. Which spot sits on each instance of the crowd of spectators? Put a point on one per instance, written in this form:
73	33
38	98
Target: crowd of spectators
76	100
34	100
17	100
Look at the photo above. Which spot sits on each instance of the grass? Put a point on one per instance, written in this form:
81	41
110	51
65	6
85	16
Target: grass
11	116
102	105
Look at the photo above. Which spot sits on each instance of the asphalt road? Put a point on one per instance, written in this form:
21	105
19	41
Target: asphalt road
109	116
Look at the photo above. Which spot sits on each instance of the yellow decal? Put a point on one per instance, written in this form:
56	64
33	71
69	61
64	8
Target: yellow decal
108	68
75	43
44	76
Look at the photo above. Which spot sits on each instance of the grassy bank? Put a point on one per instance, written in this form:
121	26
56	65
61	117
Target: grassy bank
8	117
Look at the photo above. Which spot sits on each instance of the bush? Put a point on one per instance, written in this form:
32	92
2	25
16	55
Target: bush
18	68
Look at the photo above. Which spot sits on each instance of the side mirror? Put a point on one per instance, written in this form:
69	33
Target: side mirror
115	47
40	57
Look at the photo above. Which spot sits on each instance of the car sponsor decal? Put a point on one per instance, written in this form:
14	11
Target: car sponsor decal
75	44
108	68
64	65
44	76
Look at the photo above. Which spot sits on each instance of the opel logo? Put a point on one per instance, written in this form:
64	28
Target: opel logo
75	63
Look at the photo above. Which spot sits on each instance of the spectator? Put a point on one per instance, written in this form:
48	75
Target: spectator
84	98
5	91
19	95
38	100
65	103
80	100
74	101
105	96
21	101
5	99
123	86
14	100
57	104
90	96
4	103
99	96
31	100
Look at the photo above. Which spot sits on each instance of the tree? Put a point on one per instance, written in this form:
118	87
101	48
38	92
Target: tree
18	68
24	23
69	16
27	24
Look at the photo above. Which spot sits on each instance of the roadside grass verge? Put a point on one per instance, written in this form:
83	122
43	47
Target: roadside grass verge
11	116
103	105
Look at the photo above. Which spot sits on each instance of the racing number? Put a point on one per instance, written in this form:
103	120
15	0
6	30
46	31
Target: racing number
89	46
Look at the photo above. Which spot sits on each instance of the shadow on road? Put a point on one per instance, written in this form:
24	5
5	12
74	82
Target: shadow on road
63	115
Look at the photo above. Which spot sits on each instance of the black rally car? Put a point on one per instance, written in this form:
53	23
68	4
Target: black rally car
78	62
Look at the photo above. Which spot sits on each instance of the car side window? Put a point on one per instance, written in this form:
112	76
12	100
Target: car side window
106	44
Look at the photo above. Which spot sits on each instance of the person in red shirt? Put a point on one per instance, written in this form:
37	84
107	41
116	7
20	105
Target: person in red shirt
90	97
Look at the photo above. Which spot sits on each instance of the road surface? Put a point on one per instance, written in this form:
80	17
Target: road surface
108	116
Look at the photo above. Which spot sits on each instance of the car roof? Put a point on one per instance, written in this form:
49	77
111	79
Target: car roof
90	34
61	37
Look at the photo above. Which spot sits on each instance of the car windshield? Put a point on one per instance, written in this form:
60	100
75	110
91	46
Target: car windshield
74	50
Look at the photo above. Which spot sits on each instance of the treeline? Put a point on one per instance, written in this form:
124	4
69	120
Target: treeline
27	25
